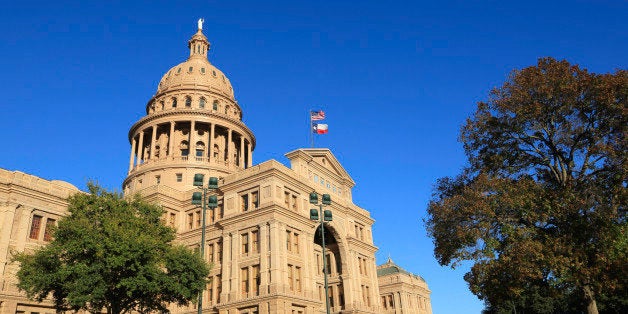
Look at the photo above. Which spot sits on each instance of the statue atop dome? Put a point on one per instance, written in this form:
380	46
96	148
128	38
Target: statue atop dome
200	24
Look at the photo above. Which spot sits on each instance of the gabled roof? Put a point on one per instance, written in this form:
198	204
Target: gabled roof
324	158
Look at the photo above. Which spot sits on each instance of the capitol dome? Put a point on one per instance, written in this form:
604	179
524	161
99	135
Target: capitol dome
193	125
196	72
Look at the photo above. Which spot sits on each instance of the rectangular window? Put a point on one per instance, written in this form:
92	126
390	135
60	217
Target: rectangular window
179	177
50	223
245	243
244	274
287	199
295	242
218	287
190	221
318	264
219	252
244	202
297	278
158	179
210	250
294	202
255	200
328	263
35	226
256	278
255	241
330	291
198	219
212	215
210	291
288	240
341	296
291	277
173	219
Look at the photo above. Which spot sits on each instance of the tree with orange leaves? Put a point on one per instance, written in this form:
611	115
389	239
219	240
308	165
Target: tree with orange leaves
541	206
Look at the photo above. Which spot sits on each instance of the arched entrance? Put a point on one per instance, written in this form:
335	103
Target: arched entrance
334	268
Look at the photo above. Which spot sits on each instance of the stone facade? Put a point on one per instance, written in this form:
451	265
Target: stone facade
29	206
401	291
266	253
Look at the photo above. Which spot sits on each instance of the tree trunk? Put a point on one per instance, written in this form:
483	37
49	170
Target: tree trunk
589	297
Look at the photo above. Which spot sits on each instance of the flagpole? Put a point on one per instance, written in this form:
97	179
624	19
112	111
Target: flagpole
311	129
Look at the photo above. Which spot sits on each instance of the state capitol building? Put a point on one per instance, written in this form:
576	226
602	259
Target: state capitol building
266	253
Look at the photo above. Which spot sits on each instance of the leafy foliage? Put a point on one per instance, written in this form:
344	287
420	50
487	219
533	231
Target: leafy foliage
541	207
112	253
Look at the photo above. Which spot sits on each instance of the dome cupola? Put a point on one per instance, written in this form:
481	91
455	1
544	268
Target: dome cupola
193	124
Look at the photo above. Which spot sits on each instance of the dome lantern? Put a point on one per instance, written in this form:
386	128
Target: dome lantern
198	44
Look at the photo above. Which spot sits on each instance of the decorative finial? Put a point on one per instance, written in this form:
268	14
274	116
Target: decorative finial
200	24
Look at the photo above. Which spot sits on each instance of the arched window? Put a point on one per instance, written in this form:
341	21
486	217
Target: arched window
188	101
216	151
185	148
201	103
215	106
174	102
200	149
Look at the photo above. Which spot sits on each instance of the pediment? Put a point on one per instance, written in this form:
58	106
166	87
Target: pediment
322	159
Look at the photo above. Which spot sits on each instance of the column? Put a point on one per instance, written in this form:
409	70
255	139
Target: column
283	262
132	159
226	268
404	301
212	134
235	267
192	143
275	248
228	147
351	280
241	152
152	142
372	273
140	149
171	140
250	161
210	142
263	264
336	295
397	302
306	253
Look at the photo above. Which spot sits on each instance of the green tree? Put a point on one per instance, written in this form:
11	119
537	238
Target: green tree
112	253
540	209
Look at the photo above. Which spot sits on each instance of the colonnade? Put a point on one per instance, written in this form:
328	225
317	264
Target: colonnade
218	146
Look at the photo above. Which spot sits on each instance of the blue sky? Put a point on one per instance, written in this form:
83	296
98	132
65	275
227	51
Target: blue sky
396	79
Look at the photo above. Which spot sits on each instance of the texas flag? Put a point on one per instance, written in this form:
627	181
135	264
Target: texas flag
319	128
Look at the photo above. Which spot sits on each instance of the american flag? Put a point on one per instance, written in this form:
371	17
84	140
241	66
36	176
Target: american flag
317	115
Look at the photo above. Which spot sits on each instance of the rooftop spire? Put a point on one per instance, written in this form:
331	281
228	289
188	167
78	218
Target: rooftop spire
198	44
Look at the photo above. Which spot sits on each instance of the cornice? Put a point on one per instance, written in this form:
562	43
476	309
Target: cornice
361	244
